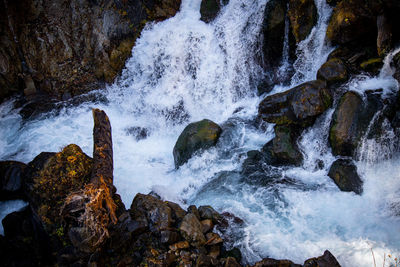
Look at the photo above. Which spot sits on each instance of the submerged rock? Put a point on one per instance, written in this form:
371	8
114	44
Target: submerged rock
283	149
299	106
197	135
344	173
333	71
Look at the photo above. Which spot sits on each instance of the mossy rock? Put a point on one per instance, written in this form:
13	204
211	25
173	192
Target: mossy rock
299	106
283	149
333	71
63	173
351	21
303	16
197	135
372	65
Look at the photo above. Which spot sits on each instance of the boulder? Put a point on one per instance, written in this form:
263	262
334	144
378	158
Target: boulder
351	21
326	260
65	172
350	122
11	179
344	131
155	212
29	239
298	106
191	230
303	16
333	71
209	9
207	212
197	135
344	173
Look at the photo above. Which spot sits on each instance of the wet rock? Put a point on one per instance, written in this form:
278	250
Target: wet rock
273	30
191	230
28	237
234	253
39	106
207	225
300	105
156	212
177	212
333	71
193	210
384	39
344	173
203	261
372	65
267	262
344	133
179	246
350	122
209	9
215	251
207	212
67	48
198	135
283	149
303	16
326	260
169	237
231	262
351	21
213	239
11	179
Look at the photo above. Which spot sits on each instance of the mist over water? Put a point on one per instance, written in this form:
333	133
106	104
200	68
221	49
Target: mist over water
183	70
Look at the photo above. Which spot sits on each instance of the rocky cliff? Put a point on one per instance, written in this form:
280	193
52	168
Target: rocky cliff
64	48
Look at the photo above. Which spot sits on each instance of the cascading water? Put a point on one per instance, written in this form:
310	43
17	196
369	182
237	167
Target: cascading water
184	70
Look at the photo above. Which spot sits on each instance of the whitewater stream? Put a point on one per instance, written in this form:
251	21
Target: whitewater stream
183	70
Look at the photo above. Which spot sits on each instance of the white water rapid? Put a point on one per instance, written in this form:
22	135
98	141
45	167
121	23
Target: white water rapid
184	70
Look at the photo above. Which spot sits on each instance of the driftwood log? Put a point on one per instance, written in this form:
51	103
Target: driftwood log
95	200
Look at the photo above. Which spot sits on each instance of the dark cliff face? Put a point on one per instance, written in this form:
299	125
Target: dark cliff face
63	48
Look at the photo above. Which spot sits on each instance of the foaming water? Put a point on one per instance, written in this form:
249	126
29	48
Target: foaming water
183	70
313	51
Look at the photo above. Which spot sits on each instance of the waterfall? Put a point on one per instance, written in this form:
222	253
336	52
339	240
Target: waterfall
184	70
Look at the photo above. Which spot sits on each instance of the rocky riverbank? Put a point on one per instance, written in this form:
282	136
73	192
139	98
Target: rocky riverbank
74	214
